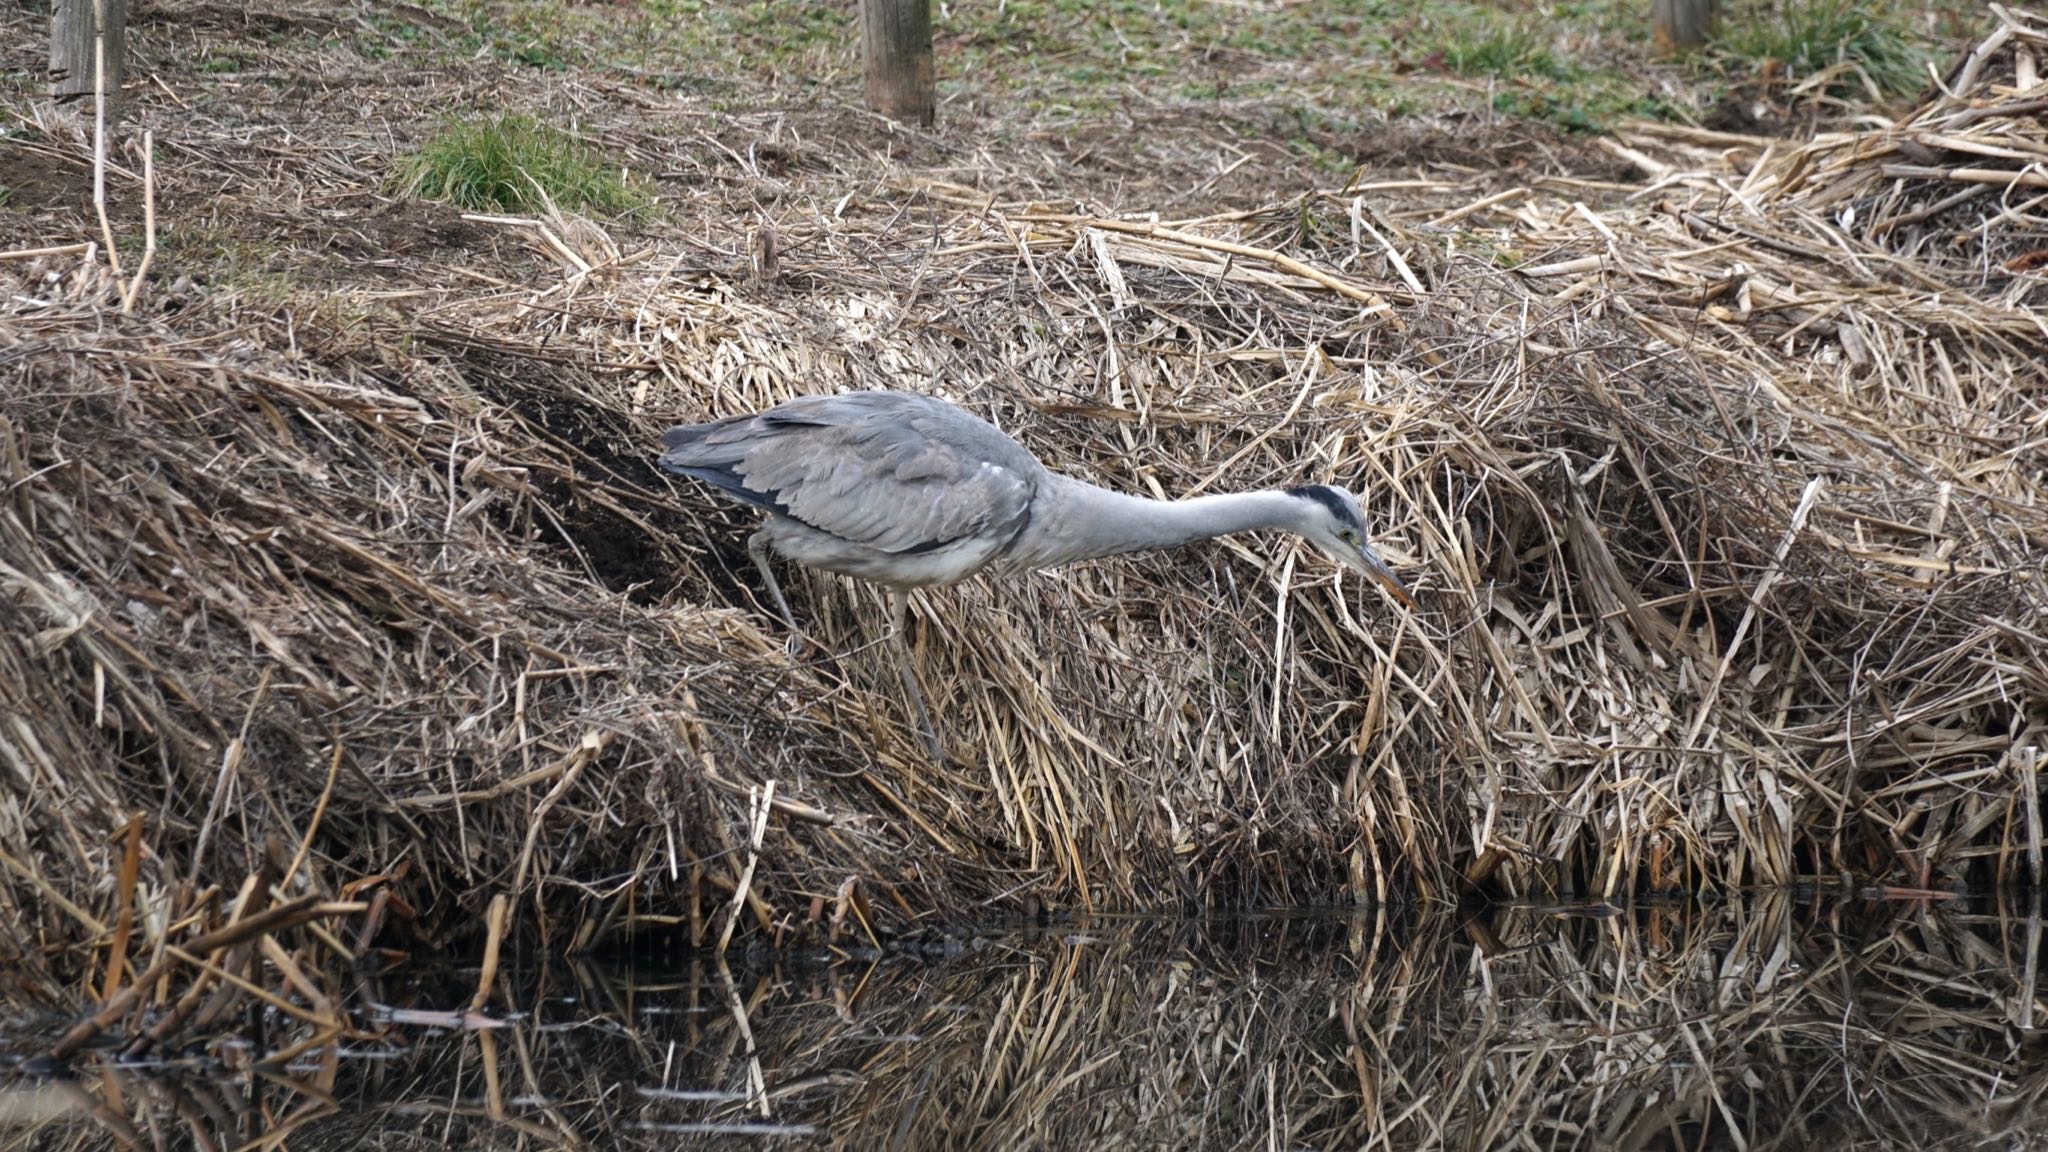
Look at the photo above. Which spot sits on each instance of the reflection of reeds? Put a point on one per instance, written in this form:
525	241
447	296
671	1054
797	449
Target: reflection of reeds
1776	1023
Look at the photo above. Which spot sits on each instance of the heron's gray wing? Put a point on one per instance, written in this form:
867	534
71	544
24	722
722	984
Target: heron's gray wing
892	471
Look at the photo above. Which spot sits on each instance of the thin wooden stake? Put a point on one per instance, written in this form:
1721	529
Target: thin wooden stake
2030	783
124	907
501	911
148	223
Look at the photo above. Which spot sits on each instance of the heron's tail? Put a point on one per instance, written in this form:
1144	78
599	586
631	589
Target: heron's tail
699	451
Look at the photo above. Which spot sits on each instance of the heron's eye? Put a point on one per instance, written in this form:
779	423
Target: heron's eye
1349	536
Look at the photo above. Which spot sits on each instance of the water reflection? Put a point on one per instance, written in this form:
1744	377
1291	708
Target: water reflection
1780	1022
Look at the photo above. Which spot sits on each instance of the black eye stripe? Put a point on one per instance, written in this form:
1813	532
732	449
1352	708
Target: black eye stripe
1327	496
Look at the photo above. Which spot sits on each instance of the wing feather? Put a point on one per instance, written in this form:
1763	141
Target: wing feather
893	471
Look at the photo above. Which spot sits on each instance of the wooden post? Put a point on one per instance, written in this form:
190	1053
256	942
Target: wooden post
72	28
1682	24
896	48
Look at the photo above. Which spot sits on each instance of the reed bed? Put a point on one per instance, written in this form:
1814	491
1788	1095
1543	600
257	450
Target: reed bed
1781	1022
1722	493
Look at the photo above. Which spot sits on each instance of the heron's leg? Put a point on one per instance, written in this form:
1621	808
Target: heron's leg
899	615
757	547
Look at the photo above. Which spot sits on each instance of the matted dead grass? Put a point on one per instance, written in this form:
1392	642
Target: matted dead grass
1724	506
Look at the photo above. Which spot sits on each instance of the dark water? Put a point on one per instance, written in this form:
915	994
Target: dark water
1781	1022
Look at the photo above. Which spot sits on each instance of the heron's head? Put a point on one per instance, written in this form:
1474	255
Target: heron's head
1331	520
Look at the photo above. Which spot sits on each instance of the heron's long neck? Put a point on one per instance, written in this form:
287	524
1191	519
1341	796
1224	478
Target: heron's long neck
1074	520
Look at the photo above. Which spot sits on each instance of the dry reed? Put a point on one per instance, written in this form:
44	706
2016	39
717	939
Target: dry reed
1724	503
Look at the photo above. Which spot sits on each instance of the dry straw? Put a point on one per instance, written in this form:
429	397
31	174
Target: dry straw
1725	506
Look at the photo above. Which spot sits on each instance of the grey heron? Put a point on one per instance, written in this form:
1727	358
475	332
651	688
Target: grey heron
908	491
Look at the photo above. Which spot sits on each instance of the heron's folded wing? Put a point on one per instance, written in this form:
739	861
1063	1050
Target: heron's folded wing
911	483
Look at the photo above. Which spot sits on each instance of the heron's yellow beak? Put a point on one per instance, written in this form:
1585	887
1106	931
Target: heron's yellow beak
1370	563
1394	587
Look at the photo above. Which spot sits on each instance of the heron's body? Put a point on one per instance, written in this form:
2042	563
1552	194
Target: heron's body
894	488
908	491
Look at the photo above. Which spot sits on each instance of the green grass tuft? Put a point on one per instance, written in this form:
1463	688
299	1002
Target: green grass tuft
1503	51
495	165
1814	35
